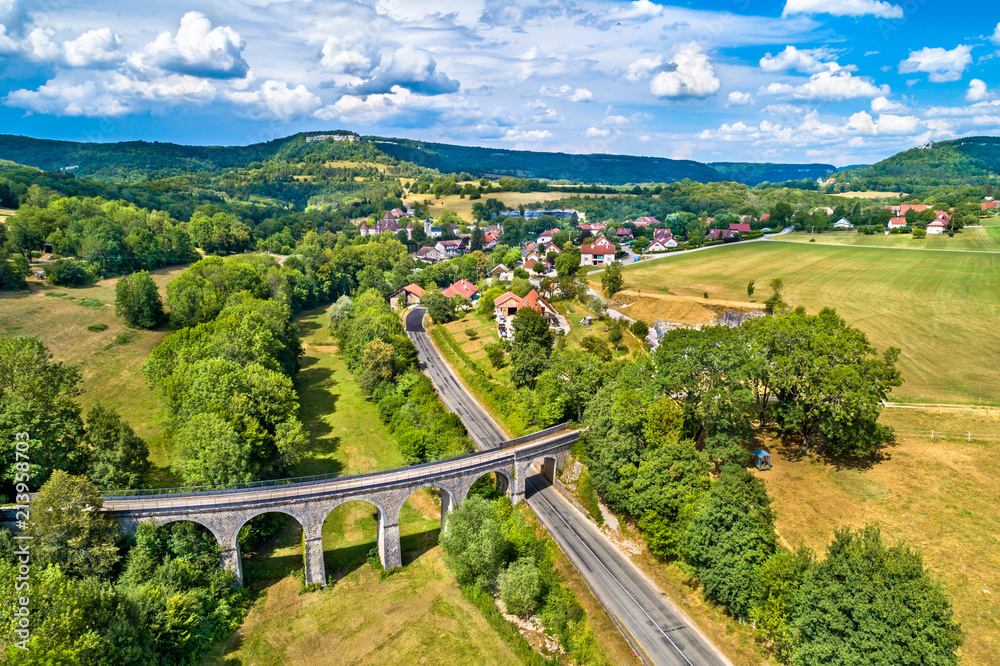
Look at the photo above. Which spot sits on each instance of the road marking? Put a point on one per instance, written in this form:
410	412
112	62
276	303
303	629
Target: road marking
597	557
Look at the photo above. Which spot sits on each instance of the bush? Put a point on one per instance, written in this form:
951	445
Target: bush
640	329
520	586
494	352
69	272
137	300
97	328
471	333
919	233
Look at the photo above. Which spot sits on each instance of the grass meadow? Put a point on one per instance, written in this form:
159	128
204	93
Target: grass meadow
939	308
974	239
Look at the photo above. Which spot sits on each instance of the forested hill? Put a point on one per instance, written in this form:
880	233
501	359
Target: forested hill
970	161
139	160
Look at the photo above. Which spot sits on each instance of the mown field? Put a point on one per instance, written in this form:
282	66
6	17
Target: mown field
109	360
463	206
939	308
978	239
939	495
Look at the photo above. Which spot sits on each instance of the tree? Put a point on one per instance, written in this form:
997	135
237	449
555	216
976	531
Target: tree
495	354
777	585
615	333
750	289
774	303
338	312
597	346
527	363
69	272
695	230
209	451
119	457
730	537
473	544
38	397
873	599
69	529
640	329
568	261
439	307
138	301
193	299
612	280
521	586
477	239
12	273
377	363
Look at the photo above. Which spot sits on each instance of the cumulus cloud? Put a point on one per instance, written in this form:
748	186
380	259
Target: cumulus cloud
996	35
62	98
876	8
882	104
199	49
690	74
807	61
356	55
275	99
413	69
526	135
597	132
643	68
941	65
737	98
171	89
95	48
567	92
977	91
829	86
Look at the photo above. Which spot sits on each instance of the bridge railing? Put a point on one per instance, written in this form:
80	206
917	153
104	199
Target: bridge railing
315	478
533	436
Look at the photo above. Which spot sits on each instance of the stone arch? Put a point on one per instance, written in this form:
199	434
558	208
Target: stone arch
504	478
451	496
549	462
328	508
386	527
243	519
229	557
210	525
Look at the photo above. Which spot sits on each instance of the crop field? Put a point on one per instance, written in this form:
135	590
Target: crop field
939	308
939	495
110	360
975	239
463	206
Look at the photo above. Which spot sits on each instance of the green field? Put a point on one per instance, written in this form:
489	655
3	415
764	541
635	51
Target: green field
938	495
976	239
940	308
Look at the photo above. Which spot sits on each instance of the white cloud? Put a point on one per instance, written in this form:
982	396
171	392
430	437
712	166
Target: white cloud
40	45
356	55
882	104
977	91
62	98
7	45
543	113
95	48
892	124
830	86
996	35
692	75
199	49
940	64
568	92
414	69
862	123
171	89
737	98
807	61
876	8
598	132
643	68
526	135
275	99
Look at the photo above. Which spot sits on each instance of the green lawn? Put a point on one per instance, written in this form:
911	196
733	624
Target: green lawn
940	308
985	239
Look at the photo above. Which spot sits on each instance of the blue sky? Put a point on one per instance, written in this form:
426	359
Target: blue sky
838	81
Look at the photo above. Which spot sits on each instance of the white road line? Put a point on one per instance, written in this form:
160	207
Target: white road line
625	589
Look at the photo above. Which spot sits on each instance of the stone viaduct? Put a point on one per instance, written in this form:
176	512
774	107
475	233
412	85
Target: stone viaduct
224	512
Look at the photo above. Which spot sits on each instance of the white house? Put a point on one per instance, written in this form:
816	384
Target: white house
897	223
449	248
546	236
842	223
936	227
597	255
661	245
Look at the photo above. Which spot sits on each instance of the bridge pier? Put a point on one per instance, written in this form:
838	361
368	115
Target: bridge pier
230	559
389	549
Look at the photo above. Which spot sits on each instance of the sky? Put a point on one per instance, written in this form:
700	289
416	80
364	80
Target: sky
832	81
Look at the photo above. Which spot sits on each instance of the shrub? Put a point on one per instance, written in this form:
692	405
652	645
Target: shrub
640	329
495	354
97	328
471	333
520	586
69	272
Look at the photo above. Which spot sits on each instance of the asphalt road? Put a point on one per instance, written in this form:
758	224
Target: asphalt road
664	633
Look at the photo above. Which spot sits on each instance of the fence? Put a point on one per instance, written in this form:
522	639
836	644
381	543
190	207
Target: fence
942	434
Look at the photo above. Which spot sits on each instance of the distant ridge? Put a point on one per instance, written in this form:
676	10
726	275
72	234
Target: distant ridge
126	160
972	161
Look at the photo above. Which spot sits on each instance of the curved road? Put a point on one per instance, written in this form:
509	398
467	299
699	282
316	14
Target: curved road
665	634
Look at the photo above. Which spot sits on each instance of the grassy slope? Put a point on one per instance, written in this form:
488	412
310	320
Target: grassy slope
463	206
940	496
938	307
111	373
976	239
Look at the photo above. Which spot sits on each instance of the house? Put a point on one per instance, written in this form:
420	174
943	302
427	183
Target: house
551	247
661	244
603	242
449	248
387	224
936	227
597	254
530	247
990	205
462	288
430	255
409	230
740	227
842	223
546	236
537	266
721	234
501	272
592	228
506	306
897	223
624	234
411	293
645	221
765	217
490	240
919	208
